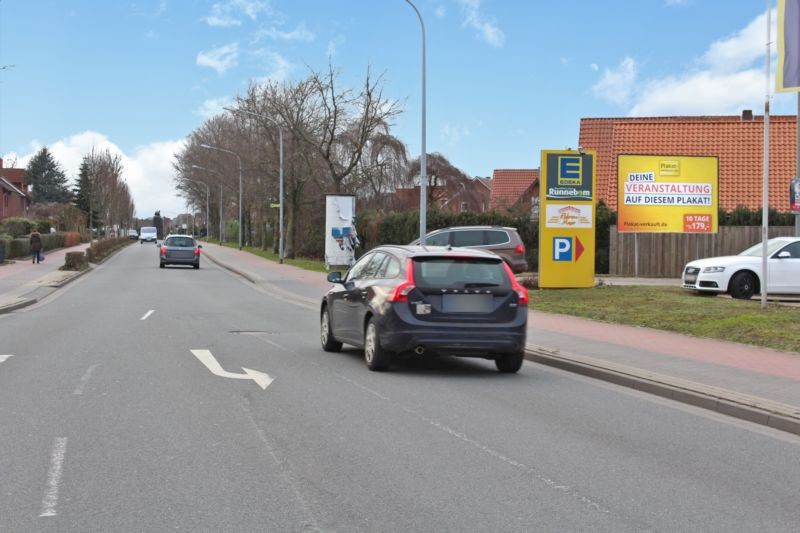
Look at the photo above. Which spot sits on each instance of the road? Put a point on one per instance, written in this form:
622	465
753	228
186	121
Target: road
111	419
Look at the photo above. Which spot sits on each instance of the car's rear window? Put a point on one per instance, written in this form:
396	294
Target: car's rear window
180	242
459	272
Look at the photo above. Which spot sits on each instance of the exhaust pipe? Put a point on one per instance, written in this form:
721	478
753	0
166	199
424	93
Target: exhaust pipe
419	350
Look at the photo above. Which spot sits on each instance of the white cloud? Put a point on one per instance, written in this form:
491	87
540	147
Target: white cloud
487	28
453	134
278	67
616	86
220	59
300	33
333	44
564	60
725	79
213	106
230	13
594	67
147	170
440	12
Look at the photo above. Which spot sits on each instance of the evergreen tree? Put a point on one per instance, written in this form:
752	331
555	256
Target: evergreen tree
82	193
46	178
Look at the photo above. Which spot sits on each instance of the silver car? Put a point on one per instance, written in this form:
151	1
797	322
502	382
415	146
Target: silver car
179	250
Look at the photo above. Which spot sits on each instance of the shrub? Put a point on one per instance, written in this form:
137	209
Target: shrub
75	261
18	248
71	238
17	226
99	250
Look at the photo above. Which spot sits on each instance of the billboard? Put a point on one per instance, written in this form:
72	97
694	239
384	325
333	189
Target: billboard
340	230
667	194
794	196
567	219
787	76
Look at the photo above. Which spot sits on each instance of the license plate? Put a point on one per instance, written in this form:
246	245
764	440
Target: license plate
690	279
467	303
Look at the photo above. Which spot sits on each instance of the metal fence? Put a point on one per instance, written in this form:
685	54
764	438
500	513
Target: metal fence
663	255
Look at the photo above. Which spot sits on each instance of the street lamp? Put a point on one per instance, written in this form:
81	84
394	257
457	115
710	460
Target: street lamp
208	194
208	147
423	180
280	179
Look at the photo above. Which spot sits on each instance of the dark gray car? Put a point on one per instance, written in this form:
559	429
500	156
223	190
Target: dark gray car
179	250
501	240
428	301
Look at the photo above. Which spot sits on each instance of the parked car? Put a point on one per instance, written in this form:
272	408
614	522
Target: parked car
179	250
740	275
503	241
429	301
148	234
133	234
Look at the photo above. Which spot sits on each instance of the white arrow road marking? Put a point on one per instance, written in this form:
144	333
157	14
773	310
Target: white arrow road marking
147	314
207	358
4	357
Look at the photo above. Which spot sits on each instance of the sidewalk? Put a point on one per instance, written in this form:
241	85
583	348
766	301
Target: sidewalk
23	283
756	384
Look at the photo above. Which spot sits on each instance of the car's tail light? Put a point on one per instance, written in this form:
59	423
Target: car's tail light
164	251
520	249
401	292
522	292
197	252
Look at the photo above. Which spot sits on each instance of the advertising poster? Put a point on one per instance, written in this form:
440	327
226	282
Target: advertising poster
340	230
667	194
567	219
794	196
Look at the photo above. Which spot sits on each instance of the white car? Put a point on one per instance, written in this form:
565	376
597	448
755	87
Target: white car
740	275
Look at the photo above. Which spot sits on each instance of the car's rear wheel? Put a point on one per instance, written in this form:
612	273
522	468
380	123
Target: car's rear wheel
374	355
196	266
509	363
329	342
742	286
161	265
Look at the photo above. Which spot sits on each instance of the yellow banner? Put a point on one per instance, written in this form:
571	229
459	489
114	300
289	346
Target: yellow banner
667	194
567	219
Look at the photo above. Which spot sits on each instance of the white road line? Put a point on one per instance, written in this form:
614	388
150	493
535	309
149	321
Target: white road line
147	314
4	358
50	499
84	380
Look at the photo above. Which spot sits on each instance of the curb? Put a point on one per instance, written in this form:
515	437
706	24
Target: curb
226	266
750	408
77	274
18	305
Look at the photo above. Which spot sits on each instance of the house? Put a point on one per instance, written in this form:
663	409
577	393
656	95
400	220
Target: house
738	142
514	188
16	198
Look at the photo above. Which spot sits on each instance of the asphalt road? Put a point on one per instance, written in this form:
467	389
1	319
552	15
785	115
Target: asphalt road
109	422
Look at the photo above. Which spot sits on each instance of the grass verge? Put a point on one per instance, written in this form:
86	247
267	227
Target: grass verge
675	309
308	264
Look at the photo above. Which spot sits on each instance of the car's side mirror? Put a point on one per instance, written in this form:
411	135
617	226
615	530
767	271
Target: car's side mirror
199	245
784	255
335	277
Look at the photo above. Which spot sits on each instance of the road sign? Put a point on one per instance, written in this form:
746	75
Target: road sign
566	219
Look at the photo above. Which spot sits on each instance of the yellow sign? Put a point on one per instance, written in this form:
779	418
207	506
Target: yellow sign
566	219
667	194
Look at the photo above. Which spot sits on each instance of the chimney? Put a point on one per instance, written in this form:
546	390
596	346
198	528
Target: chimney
747	115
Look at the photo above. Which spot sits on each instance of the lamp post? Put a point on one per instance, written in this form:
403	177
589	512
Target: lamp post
280	179
208	147
208	193
423	179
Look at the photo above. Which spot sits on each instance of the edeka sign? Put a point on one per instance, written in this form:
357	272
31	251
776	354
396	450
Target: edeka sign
567	219
667	194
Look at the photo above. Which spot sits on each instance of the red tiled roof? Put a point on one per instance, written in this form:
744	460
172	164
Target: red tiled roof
738	143
508	186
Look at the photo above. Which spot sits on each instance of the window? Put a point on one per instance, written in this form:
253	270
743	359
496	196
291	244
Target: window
793	249
180	242
497	237
460	273
463	207
357	270
438	239
469	237
374	265
390	269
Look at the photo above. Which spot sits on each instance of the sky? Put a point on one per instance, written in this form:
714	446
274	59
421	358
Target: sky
505	78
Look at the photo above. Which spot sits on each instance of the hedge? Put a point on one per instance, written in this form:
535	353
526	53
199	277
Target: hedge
20	247
17	226
75	261
100	249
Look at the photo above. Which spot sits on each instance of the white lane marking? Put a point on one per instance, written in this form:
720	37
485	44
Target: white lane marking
4	358
54	477
147	314
207	358
84	380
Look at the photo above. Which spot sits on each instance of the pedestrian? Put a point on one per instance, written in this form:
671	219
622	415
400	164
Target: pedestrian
36	246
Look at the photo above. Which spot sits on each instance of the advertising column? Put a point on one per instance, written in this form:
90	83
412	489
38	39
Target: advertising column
340	230
567	219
